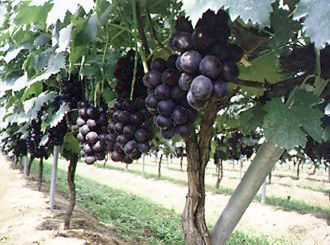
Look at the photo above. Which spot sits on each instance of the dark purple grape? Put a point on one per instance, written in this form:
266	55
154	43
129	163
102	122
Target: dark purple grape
190	60
127	159
115	116
194	102
119	148
178	63
163	122
122	139
230	71
82	112
97	147
137	118
170	76
177	94
143	147
89	159
124	116
80	122
210	66
167	133
112	137
158	64
181	41
165	107
129	131
141	135
80	137
184	130
162	92
87	149
219	89
135	155
116	156
99	156
91	137
119	128
185	81
179	115
84	130
92	112
152	79
111	127
130	147
91	123
201	87
151	102
171	61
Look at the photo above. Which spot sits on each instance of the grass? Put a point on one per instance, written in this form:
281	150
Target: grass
284	203
311	188
136	218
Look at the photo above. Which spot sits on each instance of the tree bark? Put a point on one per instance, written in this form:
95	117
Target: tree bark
266	157
72	191
220	173
41	168
270	178
160	166
181	162
315	167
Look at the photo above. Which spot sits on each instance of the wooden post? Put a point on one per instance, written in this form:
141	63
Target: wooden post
143	162
263	193
53	178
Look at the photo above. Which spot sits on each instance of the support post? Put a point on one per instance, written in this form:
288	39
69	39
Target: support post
53	178
263	193
26	163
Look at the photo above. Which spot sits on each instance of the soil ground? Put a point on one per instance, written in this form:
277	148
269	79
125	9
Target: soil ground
24	210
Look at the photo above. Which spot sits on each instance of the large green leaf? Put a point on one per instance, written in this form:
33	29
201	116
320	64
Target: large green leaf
317	22
254	11
27	14
288	125
58	116
261	69
33	106
251	119
71	144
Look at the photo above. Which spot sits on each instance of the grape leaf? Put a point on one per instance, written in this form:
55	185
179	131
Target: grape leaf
264	67
71	144
288	125
249	120
317	22
255	11
33	106
284	27
55	63
64	38
3	11
58	116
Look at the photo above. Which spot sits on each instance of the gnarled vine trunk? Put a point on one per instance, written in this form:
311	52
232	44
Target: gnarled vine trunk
72	191
41	168
198	149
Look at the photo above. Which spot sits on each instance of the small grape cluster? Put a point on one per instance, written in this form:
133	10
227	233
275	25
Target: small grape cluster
129	130
167	101
20	148
71	92
207	60
92	124
34	137
56	134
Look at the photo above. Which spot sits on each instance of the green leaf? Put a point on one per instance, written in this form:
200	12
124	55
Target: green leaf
263	68
251	119
59	115
317	22
288	125
103	10
256	11
71	144
64	38
34	89
284	27
27	14
282	125
33	106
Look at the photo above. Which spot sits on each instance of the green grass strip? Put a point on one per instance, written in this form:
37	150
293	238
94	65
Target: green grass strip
134	217
284	203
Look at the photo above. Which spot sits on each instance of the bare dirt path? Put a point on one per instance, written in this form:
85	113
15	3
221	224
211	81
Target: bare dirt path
26	219
310	228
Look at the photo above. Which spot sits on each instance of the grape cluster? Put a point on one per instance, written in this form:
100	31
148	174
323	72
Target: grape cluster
92	123
167	100
207	60
34	137
129	130
56	134
20	148
71	92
